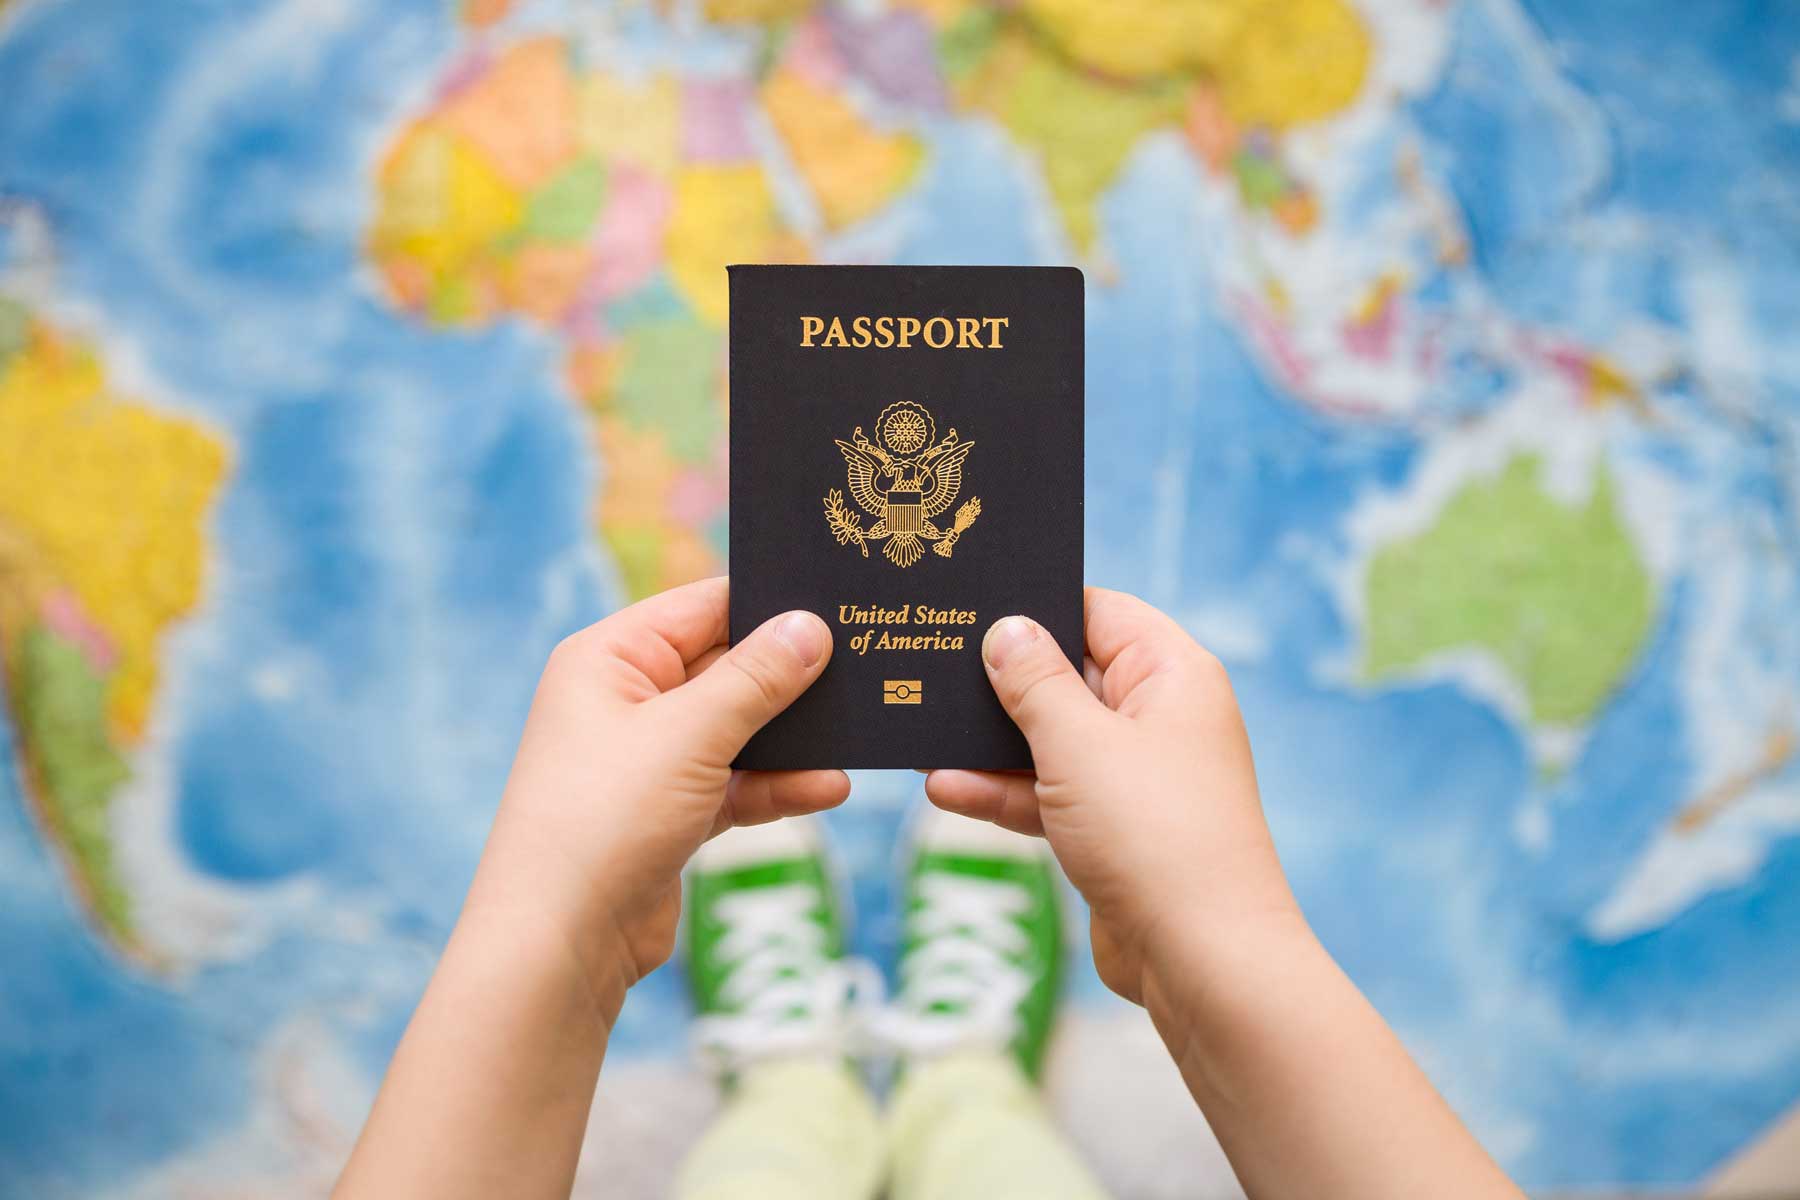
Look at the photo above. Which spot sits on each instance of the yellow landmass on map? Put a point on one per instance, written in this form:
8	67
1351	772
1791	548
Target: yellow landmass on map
439	230
1276	63
723	214
1140	39
853	168
738	12
635	122
1292	62
110	499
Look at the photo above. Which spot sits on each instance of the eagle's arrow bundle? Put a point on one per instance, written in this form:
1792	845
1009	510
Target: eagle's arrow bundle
876	413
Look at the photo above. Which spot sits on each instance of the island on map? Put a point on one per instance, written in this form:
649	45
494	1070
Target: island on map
1558	595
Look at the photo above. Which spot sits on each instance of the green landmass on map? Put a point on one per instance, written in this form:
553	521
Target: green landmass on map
15	321
60	702
669	382
566	207
1557	593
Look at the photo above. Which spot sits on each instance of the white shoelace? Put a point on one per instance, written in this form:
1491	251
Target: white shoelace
785	995
959	987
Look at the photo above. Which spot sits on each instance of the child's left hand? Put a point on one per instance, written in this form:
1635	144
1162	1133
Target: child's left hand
625	769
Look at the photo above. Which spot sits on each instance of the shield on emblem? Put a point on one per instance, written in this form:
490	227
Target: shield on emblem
906	511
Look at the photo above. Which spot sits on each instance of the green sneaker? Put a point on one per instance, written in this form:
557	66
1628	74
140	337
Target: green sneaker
764	949
981	951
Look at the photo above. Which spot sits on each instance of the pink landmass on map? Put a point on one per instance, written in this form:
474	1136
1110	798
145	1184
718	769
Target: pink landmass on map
894	53
813	55
697	496
628	243
1373	337
63	614
464	74
715	121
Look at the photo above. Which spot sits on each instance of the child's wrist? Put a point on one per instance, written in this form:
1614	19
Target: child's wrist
1199	965
1210	987
547	945
538	906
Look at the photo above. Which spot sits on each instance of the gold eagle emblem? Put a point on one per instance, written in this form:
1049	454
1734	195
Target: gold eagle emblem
903	480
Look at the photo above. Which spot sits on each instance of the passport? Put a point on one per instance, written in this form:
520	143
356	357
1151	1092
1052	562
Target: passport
906	462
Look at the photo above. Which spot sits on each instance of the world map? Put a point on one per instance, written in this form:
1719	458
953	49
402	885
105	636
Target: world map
1442	379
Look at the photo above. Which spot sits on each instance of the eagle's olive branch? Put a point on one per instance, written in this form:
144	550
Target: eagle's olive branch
965	517
846	527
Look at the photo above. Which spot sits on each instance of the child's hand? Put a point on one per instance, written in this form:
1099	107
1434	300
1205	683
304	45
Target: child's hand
625	769
1144	783
1147	795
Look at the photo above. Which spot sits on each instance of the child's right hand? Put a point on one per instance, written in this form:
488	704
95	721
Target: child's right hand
1144	786
1145	789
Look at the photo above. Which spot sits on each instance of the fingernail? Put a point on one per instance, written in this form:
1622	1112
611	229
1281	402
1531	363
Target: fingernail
804	634
1006	637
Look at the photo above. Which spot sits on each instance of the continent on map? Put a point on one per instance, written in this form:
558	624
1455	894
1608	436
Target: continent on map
1556	593
1079	84
605	207
103	512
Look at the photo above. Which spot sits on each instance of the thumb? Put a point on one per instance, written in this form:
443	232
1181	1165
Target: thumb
752	682
1036	683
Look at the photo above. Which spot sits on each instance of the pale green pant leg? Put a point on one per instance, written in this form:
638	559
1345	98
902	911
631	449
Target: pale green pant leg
972	1127
796	1130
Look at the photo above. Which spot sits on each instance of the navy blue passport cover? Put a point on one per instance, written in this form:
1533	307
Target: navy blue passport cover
906	461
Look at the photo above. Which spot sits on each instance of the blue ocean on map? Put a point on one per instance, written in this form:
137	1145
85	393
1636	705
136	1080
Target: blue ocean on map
1526	290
